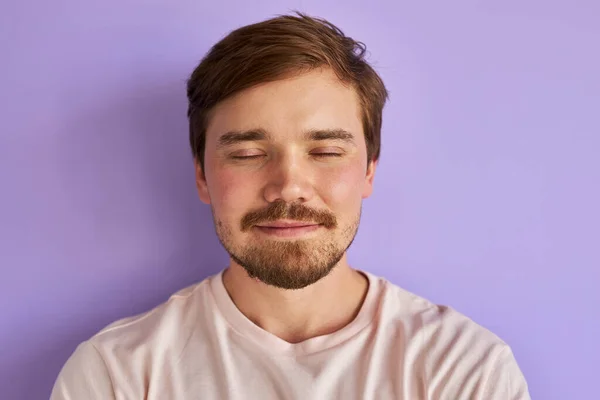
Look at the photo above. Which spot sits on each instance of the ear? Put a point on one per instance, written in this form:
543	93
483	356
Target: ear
201	185
368	184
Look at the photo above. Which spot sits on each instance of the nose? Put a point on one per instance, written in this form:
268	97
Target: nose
288	179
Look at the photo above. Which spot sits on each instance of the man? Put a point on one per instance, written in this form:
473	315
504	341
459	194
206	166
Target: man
285	120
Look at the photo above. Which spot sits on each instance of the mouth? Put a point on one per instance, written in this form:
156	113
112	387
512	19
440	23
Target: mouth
287	229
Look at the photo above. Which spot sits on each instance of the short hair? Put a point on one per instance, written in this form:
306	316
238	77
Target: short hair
275	49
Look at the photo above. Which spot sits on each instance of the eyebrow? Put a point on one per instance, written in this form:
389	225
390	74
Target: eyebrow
256	135
234	137
330	134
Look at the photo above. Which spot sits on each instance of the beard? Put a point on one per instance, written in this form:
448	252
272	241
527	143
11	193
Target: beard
289	264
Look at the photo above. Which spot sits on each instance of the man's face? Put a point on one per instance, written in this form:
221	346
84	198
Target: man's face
285	174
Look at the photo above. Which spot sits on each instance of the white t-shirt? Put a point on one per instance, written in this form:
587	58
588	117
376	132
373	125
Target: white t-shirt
198	345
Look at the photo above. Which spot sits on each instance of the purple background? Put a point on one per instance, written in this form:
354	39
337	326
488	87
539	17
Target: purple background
486	199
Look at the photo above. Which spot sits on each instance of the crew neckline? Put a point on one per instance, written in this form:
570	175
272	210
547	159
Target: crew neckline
274	344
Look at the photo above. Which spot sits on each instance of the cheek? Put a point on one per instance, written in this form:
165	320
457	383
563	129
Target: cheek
227	193
343	187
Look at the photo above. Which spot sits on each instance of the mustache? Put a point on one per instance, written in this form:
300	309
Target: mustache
294	211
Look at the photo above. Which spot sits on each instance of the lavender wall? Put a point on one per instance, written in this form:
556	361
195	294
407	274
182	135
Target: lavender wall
487	195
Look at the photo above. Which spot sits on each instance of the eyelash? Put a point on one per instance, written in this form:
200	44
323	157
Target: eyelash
323	155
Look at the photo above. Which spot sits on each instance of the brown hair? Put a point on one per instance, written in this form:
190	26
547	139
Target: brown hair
275	49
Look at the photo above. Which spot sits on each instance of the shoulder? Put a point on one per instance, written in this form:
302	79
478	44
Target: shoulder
169	322
116	357
453	354
171	318
433	324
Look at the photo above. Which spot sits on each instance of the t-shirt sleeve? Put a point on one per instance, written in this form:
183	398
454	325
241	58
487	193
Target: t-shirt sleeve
84	376
506	381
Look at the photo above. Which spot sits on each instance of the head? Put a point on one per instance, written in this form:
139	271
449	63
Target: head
285	122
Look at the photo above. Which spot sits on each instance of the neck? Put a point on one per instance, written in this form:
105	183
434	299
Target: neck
298	315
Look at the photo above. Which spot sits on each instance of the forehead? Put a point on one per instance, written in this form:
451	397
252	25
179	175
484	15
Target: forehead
290	107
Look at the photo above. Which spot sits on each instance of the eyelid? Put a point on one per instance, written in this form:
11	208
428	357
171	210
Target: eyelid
247	153
326	150
254	153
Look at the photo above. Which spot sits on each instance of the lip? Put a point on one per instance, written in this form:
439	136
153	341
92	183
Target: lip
287	230
282	224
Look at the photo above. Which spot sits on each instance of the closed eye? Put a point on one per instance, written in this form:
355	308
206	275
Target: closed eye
256	156
327	154
248	157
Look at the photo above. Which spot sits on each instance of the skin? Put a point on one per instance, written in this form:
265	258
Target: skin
281	282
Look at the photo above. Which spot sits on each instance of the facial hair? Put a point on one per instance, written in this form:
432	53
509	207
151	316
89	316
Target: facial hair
288	264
